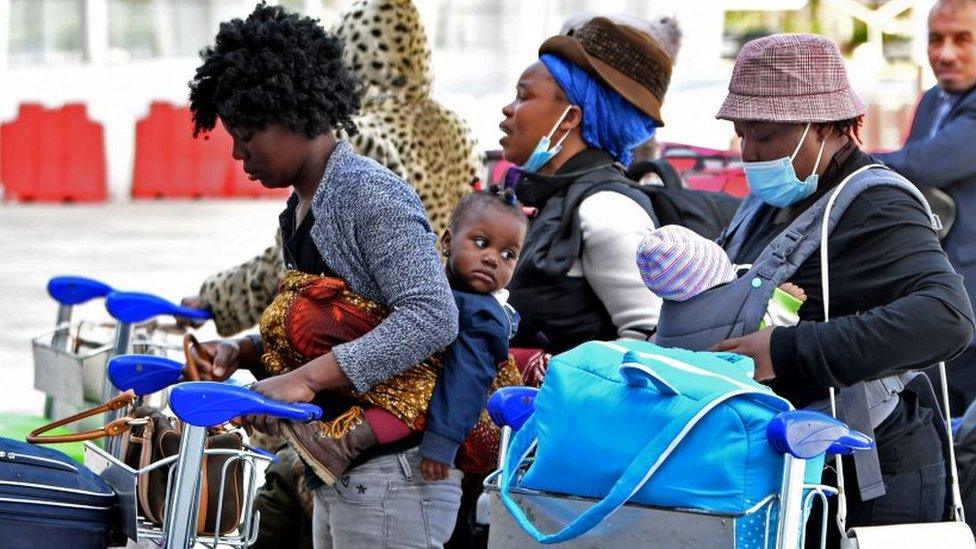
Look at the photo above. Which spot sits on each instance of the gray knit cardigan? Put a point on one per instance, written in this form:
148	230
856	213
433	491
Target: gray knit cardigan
371	228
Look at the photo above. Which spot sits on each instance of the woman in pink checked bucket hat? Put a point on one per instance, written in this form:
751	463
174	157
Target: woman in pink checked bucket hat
895	303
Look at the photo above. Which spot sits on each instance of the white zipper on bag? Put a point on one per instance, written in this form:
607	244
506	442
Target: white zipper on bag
46	462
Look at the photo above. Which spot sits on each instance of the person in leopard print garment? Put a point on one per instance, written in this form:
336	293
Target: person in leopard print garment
401	126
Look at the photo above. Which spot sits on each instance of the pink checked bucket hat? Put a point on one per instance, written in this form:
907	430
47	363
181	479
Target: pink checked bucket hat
790	78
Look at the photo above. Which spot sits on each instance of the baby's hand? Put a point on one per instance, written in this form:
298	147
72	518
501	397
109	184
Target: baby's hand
793	290
434	470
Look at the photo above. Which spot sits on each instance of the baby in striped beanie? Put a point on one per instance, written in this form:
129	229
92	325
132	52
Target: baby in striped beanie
678	264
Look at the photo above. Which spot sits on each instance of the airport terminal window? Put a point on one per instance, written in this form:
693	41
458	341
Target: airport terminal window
131	33
46	31
143	29
191	27
467	25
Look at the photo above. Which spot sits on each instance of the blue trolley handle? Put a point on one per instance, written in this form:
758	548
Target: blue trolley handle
209	403
132	307
129	308
75	290
69	291
202	404
297	411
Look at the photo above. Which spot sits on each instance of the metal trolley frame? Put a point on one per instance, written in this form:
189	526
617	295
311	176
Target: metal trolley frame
182	495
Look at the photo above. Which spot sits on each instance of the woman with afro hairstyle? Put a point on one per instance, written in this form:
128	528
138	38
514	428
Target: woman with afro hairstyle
358	247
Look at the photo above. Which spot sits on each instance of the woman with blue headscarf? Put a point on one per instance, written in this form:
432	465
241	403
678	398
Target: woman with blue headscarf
579	111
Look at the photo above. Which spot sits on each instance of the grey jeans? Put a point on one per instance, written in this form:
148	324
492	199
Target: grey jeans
386	502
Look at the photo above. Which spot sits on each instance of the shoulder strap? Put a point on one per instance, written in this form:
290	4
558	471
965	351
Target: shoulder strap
640	471
732	237
113	428
610	178
660	167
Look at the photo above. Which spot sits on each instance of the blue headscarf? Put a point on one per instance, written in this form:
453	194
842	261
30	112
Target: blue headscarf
610	122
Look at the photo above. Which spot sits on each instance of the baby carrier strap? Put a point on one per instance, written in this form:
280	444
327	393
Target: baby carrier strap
866	404
613	178
783	256
737	309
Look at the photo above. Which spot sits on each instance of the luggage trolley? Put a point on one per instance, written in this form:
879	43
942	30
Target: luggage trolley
777	522
200	405
70	360
69	364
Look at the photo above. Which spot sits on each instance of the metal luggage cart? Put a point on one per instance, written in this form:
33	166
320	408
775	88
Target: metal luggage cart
200	405
125	481
776	522
634	525
70	360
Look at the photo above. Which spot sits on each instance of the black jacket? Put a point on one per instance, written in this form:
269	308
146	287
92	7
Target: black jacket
559	311
896	302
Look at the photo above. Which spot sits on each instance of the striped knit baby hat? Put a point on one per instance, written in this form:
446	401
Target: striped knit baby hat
678	264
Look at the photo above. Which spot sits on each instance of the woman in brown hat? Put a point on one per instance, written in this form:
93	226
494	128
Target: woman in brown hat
592	97
895	304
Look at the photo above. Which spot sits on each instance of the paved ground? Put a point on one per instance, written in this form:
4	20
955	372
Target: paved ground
163	247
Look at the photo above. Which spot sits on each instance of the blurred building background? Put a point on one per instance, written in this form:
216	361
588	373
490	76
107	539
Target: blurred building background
118	56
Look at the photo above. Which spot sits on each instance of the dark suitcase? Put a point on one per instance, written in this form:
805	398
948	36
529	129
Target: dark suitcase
49	501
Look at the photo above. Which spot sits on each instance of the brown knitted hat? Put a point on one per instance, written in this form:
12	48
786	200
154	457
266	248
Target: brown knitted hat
622	57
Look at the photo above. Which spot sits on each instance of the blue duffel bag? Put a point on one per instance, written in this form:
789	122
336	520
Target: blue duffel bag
631	421
47	500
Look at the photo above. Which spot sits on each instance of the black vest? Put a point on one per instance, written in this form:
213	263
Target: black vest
558	311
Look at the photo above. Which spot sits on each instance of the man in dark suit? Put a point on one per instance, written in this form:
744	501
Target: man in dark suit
940	152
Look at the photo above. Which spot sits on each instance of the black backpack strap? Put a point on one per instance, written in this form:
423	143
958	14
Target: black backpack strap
556	238
659	166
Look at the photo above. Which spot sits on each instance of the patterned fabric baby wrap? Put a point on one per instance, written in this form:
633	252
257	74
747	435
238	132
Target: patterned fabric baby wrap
311	314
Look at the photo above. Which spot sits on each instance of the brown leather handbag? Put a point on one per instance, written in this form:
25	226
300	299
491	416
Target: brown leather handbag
149	436
158	438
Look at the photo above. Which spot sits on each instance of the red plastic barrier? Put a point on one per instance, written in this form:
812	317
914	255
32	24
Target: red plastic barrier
53	155
237	185
690	158
727	180
706	182
735	182
171	163
707	169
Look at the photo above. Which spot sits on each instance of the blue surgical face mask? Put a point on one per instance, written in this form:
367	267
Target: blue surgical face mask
775	182
542	153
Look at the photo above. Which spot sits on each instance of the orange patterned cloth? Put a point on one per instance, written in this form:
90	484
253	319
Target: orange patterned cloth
311	314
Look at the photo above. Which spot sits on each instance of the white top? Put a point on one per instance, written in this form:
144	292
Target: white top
613	227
